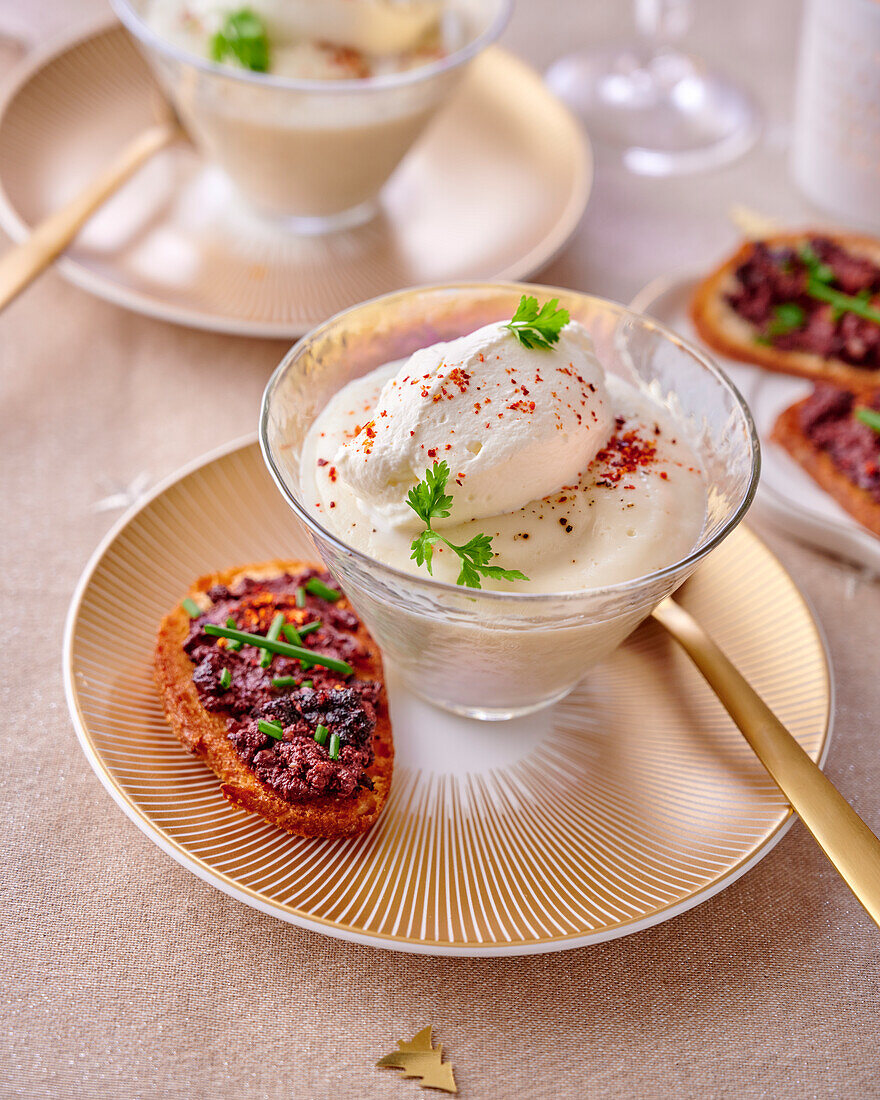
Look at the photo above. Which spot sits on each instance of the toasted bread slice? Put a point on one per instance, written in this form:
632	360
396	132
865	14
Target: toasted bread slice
205	734
819	465
722	328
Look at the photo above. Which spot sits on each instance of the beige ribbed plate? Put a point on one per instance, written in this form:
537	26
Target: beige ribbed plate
492	192
629	802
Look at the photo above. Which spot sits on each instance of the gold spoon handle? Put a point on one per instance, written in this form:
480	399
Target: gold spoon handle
842	835
23	262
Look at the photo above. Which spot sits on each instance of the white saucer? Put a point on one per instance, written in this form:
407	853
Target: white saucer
787	496
493	191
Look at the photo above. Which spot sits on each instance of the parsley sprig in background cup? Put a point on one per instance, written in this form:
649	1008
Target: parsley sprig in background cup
489	654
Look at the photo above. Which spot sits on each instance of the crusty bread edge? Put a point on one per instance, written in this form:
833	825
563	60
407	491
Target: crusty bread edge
204	734
719	326
787	432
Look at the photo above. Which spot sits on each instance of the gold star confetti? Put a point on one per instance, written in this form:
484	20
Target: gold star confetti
418	1057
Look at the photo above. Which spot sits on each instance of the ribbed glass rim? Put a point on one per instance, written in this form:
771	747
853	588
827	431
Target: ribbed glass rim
427	584
145	33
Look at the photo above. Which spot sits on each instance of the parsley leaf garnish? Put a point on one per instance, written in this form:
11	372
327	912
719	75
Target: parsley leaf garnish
430	501
243	37
538	328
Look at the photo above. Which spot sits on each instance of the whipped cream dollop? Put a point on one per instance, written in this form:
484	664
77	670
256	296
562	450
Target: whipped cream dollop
512	425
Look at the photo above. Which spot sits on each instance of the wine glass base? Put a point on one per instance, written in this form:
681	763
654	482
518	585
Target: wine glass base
660	111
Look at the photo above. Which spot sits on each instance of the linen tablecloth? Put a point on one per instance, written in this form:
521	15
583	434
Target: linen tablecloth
121	975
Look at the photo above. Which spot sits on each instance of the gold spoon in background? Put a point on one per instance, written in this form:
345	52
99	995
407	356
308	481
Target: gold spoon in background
840	832
24	262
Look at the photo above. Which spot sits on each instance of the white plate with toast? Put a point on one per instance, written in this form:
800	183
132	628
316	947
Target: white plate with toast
633	800
787	496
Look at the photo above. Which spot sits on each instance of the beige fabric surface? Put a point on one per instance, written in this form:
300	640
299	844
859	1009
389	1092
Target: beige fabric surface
121	975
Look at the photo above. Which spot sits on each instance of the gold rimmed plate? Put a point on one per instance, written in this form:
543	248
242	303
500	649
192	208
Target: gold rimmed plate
493	191
631	801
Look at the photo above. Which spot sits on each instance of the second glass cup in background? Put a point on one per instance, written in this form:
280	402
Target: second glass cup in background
311	153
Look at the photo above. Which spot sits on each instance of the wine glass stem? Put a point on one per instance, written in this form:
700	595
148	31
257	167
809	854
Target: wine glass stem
663	21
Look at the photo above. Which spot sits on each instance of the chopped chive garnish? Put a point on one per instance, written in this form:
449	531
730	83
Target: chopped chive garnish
191	608
300	596
333	751
298	653
870	417
321	735
318	588
271	729
291	634
234	646
225	678
272	635
310	628
283	681
307	684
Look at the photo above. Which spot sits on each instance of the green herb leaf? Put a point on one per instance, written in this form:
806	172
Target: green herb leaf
786	318
333	751
234	646
300	596
191	608
271	729
844	303
291	634
321	734
283	681
242	38
306	656
318	588
225	679
272	635
818	270
869	416
423	548
536	327
429	501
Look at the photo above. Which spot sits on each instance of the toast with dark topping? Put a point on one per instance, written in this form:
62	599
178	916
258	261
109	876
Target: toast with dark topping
801	303
306	746
824	434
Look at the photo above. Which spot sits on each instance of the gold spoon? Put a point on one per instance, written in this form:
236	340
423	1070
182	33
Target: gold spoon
24	262
841	834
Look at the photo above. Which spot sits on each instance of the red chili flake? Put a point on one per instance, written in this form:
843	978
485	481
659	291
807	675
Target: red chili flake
432	453
481	357
461	378
384	412
448	447
625	453
664	475
332	503
412	432
522	406
323	461
524	391
331	473
477	406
